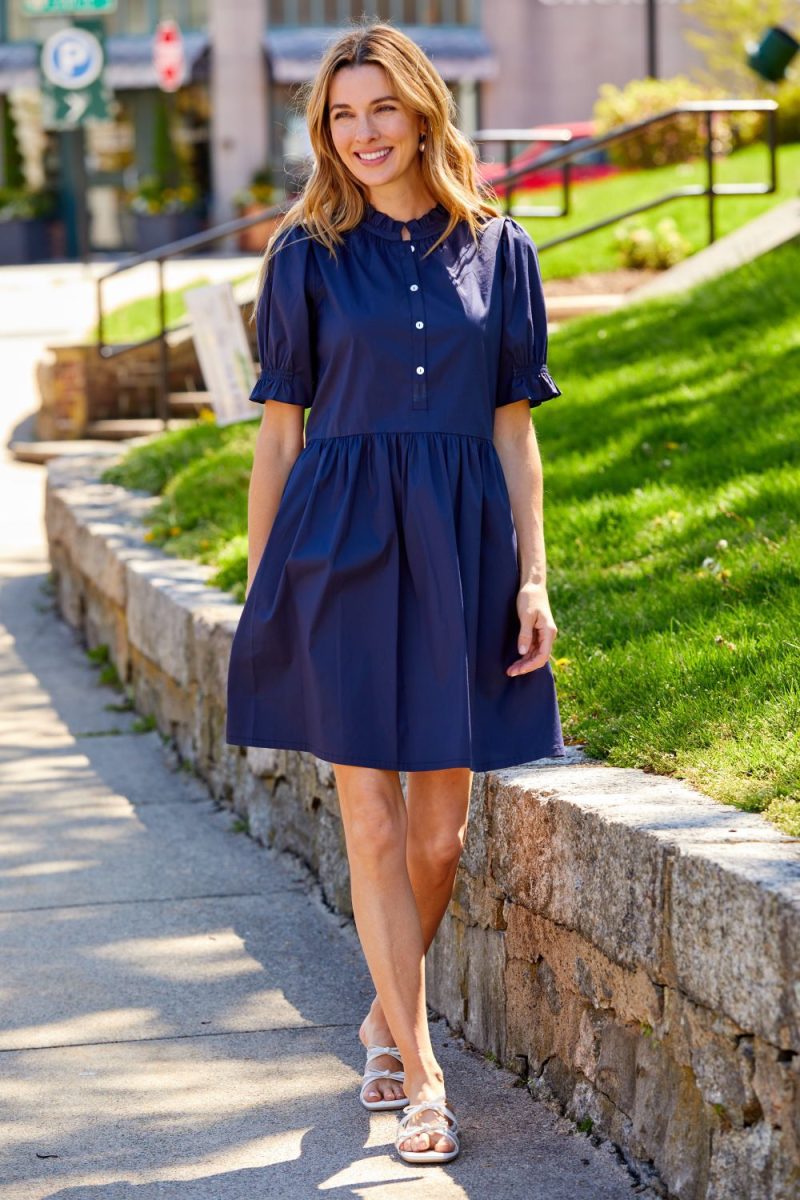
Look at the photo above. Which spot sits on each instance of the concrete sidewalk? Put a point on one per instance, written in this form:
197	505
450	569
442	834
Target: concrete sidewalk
180	1012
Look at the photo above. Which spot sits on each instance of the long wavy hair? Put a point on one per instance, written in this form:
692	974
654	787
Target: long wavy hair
333	201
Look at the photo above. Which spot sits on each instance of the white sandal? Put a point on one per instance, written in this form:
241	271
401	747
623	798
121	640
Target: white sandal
373	1073
408	1128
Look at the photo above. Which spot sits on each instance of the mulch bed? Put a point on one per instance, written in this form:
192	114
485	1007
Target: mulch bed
598	282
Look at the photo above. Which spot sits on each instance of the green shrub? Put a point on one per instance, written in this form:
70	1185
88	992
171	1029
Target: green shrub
656	249
788	96
668	142
149	467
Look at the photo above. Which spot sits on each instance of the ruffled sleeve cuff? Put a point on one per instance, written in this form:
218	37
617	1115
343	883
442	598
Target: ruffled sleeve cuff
535	384
275	384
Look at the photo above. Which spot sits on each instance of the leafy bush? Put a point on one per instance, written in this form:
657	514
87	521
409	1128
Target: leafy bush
152	196
668	142
150	466
657	248
22	204
788	96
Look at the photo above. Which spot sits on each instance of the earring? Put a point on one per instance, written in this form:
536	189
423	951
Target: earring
422	142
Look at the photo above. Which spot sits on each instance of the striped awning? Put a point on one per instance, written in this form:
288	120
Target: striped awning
129	62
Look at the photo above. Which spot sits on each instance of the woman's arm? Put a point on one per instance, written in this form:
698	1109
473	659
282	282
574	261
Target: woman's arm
279	441
515	441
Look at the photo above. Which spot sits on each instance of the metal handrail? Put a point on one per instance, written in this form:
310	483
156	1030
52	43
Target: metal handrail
194	241
711	189
559	157
509	137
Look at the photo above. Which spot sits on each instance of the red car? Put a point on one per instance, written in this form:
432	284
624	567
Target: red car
593	164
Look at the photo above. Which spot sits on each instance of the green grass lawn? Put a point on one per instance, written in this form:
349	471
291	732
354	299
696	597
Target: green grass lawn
595	252
672	482
604	197
138	319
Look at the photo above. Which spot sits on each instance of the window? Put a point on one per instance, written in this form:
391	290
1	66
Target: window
401	12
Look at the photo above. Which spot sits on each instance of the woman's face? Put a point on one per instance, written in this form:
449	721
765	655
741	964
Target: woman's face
376	137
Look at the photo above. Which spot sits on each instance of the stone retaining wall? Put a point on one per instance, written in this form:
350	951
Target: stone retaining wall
621	942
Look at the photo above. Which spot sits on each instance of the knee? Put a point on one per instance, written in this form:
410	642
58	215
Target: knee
374	828
439	851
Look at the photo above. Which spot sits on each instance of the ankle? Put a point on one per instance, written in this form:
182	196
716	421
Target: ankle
374	1029
424	1085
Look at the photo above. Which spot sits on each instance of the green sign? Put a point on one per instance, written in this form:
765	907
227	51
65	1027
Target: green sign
71	64
67	8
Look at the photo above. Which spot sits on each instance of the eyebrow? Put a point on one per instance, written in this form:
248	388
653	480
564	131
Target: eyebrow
378	101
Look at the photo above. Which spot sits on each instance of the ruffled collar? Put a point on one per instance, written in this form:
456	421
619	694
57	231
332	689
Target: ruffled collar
433	222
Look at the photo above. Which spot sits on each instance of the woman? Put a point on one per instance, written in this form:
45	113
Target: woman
396	616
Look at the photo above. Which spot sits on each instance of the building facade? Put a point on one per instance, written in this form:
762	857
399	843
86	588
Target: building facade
508	63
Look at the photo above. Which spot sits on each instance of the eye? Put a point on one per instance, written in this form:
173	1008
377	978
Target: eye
385	108
339	113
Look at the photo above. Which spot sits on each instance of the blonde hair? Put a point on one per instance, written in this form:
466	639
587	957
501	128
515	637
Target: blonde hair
332	200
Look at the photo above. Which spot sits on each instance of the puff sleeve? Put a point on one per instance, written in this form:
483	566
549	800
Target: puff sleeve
285	323
523	371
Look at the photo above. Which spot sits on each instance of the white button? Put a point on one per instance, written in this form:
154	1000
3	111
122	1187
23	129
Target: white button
420	370
413	247
415	287
420	324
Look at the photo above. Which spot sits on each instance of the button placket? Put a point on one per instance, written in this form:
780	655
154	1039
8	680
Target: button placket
419	364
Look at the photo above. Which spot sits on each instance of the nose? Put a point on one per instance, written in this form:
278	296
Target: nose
364	131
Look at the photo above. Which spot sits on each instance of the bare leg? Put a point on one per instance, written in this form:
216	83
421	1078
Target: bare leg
438	805
388	923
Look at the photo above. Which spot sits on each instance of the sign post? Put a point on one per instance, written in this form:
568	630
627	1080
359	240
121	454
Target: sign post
71	63
71	77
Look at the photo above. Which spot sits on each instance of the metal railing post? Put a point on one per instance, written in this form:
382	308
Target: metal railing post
772	141
163	350
710	175
508	157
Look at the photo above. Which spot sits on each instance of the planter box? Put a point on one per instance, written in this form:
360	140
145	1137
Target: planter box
23	241
157	229
254	240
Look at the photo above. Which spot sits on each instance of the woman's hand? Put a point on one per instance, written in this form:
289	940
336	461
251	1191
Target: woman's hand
537	629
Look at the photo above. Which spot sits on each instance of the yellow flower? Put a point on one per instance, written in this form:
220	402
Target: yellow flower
174	530
562	662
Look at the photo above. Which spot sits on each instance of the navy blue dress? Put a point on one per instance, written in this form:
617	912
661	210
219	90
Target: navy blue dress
382	615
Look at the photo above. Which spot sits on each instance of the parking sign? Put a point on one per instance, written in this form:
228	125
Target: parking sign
71	65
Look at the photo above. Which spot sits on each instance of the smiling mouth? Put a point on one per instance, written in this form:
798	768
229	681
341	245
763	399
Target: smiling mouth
373	156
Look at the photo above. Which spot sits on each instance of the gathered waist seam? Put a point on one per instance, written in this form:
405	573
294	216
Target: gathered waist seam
400	433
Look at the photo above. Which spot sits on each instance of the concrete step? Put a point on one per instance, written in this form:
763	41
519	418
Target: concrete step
189	403
131	427
42	452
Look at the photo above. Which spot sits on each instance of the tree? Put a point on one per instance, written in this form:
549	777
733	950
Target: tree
726	27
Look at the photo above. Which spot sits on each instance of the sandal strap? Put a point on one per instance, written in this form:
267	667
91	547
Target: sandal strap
403	1135
408	1128
373	1073
405	1132
376	1051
